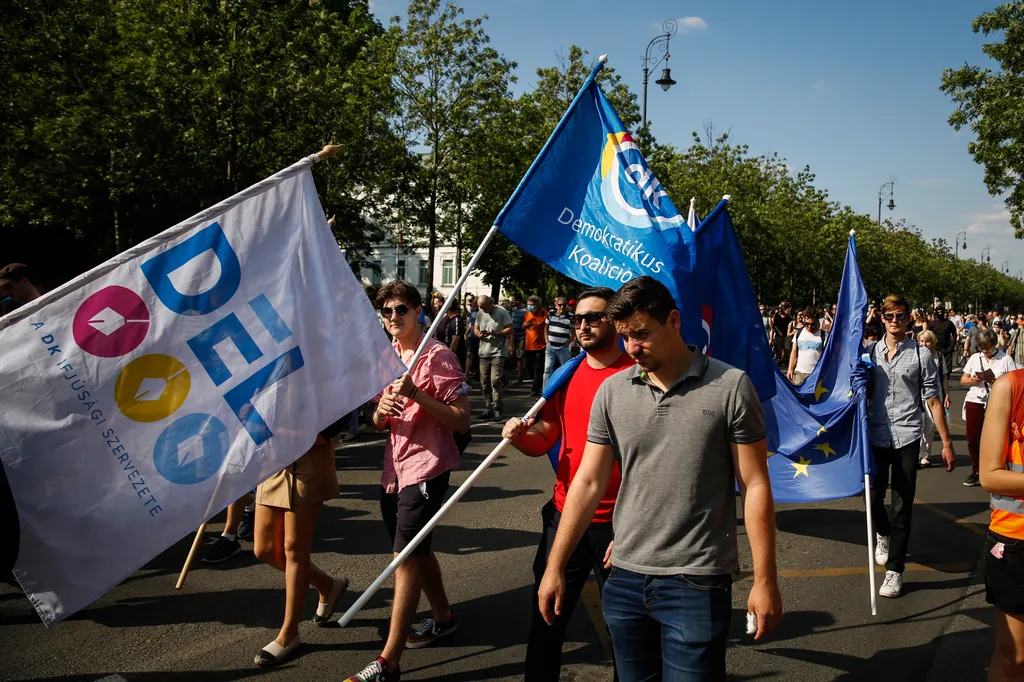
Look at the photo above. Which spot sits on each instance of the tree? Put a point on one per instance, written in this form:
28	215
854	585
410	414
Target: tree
448	82
123	117
991	103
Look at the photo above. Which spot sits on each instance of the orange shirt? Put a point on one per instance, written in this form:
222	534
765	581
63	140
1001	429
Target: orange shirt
533	325
1003	521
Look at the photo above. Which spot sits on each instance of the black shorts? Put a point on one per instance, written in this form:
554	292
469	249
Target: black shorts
1004	578
407	512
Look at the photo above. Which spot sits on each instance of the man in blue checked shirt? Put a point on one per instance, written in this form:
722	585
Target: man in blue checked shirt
904	379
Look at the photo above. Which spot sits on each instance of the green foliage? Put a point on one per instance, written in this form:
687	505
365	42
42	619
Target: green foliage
126	116
991	104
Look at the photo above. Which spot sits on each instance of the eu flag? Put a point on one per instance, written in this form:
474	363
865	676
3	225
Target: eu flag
591	208
817	434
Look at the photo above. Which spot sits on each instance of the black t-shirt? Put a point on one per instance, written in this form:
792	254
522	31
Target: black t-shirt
455	328
782	323
945	333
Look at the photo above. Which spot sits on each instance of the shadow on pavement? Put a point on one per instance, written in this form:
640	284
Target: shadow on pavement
160	676
899	662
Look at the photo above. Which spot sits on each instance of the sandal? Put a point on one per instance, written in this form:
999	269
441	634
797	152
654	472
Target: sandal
275	654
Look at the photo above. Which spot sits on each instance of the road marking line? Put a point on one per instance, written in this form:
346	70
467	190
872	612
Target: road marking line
969	525
591	599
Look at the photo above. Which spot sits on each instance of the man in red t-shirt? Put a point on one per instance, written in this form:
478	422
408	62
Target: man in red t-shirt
567	416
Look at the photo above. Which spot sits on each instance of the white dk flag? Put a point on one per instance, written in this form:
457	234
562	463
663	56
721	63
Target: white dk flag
143	397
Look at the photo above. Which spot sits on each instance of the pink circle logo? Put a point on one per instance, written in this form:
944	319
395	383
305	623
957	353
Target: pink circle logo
111	322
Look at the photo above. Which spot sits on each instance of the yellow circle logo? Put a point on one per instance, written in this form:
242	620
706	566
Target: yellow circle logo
151	387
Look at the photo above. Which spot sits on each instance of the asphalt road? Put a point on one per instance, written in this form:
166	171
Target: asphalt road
146	630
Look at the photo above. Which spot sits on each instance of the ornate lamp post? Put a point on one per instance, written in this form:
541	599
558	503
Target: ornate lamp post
883	191
960	236
661	41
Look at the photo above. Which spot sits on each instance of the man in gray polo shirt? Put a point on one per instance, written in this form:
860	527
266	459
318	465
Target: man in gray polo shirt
684	429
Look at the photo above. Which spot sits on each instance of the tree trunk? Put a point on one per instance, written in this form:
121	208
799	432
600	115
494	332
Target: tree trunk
117	229
458	252
432	240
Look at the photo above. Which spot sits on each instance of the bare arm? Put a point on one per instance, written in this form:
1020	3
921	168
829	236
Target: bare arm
504	331
792	360
533	438
750	461
588	486
992	468
938	413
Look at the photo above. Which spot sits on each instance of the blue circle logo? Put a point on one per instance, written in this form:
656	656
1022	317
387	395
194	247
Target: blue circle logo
192	449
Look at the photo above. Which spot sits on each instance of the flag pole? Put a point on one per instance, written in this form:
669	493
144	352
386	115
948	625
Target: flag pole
191	556
867	511
871	542
602	60
427	529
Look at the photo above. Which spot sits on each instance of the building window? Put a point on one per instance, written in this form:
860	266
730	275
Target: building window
401	269
448	272
423	272
378	266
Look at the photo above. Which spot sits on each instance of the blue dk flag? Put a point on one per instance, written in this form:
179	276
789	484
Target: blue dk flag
591	208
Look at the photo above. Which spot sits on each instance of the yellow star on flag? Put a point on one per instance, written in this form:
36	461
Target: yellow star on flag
821	431
849	396
770	453
825	448
819	391
801	467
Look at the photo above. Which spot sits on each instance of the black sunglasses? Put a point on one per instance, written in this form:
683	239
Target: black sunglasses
889	317
592	319
402	311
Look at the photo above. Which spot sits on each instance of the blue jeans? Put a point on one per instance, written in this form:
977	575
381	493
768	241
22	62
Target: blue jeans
553	359
672	628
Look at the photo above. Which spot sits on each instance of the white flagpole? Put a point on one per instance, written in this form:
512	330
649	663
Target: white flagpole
452	501
871	543
448	302
691	217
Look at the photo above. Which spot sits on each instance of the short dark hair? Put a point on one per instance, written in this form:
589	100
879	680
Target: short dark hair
809	311
643	294
399	289
534	300
604	293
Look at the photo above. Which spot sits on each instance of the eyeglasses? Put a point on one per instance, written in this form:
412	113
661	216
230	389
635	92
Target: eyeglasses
889	317
402	311
592	319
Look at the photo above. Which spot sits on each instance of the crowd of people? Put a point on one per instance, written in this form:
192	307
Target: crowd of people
617	424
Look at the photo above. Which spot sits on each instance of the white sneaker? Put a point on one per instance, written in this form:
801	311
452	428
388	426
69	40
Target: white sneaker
881	549
892	585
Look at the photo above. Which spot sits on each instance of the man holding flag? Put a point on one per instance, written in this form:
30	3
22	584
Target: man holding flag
566	417
678	571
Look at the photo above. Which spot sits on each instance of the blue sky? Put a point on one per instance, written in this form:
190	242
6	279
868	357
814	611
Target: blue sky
850	89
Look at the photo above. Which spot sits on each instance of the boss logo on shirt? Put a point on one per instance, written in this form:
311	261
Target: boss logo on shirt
708	413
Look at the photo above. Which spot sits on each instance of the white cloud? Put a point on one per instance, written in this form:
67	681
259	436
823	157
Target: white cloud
690	24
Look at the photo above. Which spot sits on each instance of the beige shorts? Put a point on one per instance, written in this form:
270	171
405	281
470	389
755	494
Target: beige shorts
311	479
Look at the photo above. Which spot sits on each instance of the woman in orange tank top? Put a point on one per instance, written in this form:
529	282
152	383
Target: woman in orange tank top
1002	474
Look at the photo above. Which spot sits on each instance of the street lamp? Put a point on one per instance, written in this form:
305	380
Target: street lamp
986	255
883	191
1005	267
958	245
669	27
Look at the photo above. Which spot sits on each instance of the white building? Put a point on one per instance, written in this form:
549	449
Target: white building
410	264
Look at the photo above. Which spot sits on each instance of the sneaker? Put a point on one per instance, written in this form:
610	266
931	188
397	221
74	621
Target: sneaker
496	416
429	631
881	549
248	525
221	550
925	463
972	480
487	414
892	585
376	672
